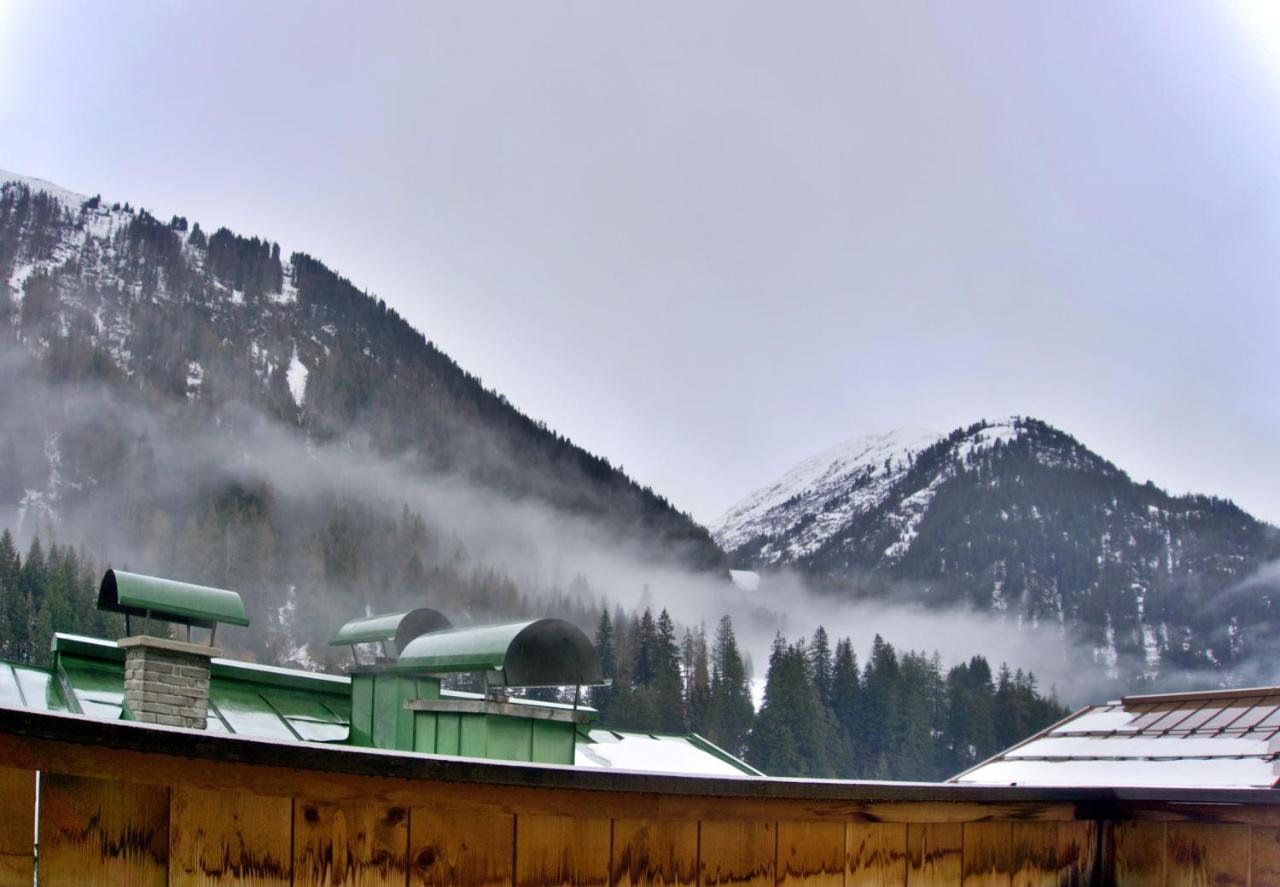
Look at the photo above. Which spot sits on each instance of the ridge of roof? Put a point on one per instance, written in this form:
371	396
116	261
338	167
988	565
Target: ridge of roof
1200	695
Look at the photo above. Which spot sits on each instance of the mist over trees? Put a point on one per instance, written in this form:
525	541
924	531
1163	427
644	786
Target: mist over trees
898	717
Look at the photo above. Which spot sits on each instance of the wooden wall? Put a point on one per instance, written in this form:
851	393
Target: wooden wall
147	818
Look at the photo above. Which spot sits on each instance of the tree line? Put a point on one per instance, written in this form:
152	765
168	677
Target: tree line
897	717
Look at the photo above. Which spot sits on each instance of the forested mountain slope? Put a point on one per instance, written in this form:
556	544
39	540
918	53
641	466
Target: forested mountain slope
202	404
1020	518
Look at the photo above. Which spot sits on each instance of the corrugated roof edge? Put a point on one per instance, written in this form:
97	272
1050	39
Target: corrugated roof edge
1004	751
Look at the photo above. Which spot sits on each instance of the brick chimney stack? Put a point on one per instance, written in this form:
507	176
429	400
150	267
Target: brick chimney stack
167	681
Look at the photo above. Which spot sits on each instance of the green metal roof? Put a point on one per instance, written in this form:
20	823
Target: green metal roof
244	697
165	599
293	705
544	652
399	627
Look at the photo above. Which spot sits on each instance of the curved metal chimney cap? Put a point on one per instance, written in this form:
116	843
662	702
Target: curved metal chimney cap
400	627
541	653
136	595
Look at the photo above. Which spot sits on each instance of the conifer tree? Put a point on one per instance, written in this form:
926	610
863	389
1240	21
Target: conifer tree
601	697
668	683
729	709
821	665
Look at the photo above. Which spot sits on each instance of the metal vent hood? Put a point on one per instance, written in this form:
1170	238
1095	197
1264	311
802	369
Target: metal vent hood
541	653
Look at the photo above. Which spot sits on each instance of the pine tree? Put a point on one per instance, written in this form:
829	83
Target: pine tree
646	651
668	684
697	678
820	662
602	697
729	710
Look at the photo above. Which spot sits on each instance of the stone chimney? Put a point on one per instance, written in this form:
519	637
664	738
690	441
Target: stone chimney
167	681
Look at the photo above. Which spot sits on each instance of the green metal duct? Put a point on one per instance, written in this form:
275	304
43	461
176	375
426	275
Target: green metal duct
170	601
541	653
398	627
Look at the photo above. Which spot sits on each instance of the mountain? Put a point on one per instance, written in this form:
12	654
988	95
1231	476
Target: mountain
1021	519
207	404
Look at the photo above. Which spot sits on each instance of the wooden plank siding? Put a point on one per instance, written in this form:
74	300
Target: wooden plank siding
139	811
460	847
229	837
100	831
17	827
654	852
876	853
355	845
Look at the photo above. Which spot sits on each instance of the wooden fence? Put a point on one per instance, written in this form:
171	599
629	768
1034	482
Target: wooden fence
130	804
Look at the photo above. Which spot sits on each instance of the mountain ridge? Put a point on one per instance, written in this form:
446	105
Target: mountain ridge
1019	518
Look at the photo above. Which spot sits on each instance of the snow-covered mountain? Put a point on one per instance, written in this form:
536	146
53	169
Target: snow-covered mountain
815	499
1020	518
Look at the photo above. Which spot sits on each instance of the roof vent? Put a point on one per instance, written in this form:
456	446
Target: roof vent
397	628
167	681
148	597
541	653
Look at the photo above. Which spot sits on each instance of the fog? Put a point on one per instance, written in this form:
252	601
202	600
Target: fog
86	462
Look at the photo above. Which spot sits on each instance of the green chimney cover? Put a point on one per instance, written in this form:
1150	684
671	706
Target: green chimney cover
542	653
136	595
399	627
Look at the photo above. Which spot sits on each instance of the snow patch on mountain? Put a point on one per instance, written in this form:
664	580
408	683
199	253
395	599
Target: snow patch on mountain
824	492
70	199
297	375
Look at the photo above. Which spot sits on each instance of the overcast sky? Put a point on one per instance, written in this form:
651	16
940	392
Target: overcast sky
708	240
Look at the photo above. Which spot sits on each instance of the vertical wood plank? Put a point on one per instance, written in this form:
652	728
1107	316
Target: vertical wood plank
737	852
1138	853
986	859
1052	854
934	854
562	850
17	826
98	831
877	853
811	853
467	848
1077	853
649	851
219	837
354	845
1264	855
1202	853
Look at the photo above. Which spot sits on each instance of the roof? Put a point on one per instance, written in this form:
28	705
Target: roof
657	753
244	698
291	705
1209	739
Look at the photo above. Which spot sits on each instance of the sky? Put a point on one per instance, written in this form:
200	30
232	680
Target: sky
709	240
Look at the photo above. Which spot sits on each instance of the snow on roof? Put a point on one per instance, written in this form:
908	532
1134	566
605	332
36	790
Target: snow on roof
745	580
1223	739
654	753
